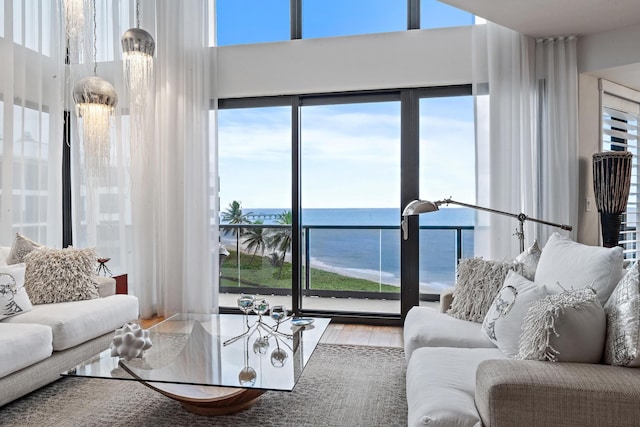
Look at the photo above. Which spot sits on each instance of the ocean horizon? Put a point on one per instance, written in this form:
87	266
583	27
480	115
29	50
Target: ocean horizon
374	253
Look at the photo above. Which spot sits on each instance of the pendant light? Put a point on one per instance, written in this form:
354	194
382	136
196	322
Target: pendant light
138	47
95	101
74	13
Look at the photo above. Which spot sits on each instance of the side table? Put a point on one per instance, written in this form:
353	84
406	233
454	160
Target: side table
122	286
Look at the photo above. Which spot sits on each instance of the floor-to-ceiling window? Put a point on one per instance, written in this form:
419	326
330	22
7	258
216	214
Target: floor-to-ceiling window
254	149
344	153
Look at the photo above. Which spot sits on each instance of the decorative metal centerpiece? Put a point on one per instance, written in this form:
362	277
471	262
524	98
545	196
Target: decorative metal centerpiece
278	313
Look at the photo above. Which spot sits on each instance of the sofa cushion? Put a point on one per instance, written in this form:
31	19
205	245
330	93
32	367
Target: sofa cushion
22	345
441	385
13	296
60	275
477	283
79	321
622	346
428	327
503	322
565	327
574	265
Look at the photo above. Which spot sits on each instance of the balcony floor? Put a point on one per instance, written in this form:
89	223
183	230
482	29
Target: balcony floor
330	304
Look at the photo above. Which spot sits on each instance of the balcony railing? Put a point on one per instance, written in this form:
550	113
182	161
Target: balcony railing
366	258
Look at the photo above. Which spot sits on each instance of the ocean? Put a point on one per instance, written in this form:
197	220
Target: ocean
374	254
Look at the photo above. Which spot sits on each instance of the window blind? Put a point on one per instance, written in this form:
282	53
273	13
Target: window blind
620	107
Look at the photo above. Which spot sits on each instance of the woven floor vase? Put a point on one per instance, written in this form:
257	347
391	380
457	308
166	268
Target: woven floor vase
611	183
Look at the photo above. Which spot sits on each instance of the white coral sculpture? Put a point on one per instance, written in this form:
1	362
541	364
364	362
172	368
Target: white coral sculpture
130	341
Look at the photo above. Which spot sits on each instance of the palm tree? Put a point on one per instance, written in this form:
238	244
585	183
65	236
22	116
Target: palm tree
234	215
256	240
280	240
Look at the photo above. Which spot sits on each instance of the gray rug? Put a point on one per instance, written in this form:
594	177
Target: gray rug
341	386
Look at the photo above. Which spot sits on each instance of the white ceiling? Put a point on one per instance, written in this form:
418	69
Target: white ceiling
542	18
546	18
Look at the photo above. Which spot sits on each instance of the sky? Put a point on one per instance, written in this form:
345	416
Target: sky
350	153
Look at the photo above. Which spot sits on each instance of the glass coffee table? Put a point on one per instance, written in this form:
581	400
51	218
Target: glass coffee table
216	364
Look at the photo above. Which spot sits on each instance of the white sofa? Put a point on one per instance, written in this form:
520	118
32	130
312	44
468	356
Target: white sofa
457	377
38	345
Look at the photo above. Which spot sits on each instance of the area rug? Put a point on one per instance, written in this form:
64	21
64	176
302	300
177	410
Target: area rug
342	385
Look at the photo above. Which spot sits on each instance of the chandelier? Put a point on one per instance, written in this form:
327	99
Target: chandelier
138	47
95	101
74	13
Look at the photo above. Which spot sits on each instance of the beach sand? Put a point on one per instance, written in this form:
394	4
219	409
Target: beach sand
379	277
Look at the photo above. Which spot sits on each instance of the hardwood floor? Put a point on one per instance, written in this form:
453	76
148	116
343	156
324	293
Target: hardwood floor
339	333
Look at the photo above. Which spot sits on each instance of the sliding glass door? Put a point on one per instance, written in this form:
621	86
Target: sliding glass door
350	191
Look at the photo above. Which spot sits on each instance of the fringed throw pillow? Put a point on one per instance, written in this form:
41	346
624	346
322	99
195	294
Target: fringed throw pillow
622	347
60	275
566	327
478	281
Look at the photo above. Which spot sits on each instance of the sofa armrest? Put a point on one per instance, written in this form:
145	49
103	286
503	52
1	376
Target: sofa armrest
446	298
532	393
106	286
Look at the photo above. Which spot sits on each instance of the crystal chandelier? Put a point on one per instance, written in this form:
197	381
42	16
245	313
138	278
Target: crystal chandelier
138	47
95	101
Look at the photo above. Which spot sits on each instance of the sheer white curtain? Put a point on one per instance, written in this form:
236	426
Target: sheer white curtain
183	232
152	216
31	86
526	139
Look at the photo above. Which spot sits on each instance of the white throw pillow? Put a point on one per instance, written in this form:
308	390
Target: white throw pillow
528	260
622	347
565	327
503	322
574	265
13	296
4	254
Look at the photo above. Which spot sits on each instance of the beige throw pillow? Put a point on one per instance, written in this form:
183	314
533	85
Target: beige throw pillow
60	275
478	282
21	247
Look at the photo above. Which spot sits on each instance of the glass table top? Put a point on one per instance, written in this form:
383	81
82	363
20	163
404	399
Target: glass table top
216	350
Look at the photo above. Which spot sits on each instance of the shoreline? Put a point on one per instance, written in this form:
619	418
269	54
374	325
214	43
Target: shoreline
380	277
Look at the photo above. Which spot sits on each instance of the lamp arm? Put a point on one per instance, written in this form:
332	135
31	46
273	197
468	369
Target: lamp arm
482	208
520	217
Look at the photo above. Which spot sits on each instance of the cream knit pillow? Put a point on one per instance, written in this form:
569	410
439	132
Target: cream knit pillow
478	282
59	275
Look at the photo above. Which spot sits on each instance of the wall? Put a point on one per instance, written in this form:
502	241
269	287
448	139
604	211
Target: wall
615	56
433	57
588	143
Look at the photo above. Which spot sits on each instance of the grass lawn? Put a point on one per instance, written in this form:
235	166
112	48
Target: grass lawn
259	272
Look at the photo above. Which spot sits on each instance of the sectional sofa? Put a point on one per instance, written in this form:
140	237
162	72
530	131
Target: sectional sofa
36	346
456	376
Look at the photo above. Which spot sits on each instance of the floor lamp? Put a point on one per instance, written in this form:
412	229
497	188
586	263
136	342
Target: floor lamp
420	206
